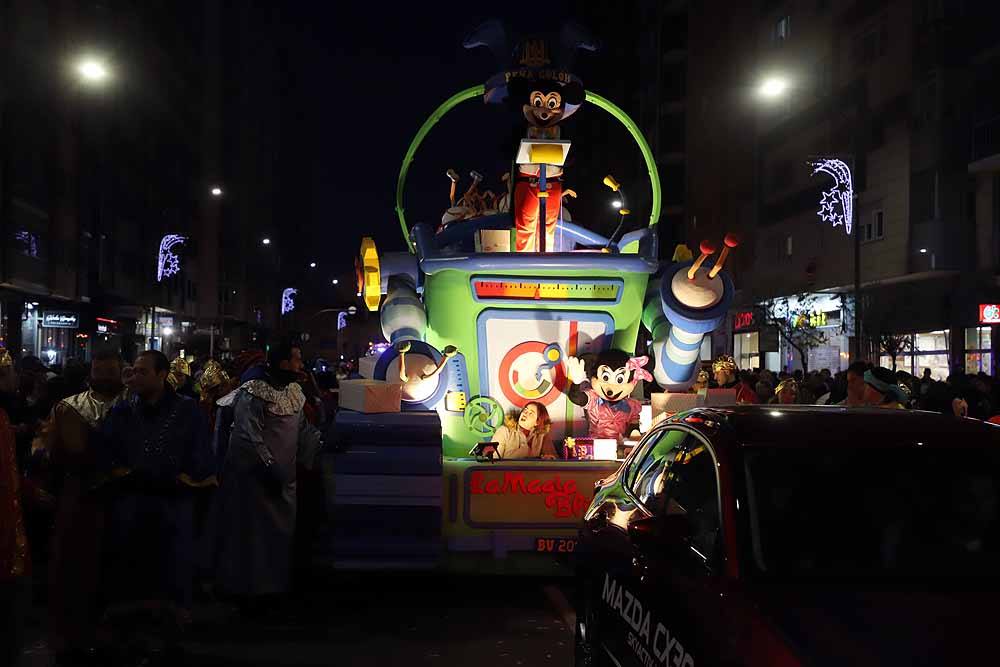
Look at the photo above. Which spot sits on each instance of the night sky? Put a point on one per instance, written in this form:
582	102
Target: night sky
360	80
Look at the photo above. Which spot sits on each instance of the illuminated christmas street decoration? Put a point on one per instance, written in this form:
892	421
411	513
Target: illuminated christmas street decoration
288	300
341	320
168	264
837	203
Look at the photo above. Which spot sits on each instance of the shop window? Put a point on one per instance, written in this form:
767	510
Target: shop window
978	350
746	350
930	350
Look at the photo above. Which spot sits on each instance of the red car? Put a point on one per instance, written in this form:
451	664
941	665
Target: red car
762	535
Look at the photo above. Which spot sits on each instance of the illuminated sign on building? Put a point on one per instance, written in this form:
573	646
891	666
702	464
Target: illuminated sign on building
743	320
989	313
837	203
60	320
288	300
168	263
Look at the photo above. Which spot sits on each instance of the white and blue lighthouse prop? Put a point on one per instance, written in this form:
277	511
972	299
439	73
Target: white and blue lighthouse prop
687	302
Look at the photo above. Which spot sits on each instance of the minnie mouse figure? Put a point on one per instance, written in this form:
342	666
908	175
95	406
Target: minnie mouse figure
603	386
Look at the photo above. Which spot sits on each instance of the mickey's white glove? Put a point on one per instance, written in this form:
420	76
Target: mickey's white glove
576	370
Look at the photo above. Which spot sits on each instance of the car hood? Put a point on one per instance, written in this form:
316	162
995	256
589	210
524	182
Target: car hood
831	627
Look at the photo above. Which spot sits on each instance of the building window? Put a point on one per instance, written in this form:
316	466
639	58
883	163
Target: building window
782	29
870	43
978	350
27	243
874	229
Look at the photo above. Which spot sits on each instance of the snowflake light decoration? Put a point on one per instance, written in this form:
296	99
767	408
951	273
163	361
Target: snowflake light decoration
837	203
341	320
168	263
288	300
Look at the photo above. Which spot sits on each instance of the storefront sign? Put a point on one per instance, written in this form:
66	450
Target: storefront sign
106	325
989	313
743	320
508	496
60	320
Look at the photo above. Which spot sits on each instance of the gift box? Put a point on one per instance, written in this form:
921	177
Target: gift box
370	396
366	366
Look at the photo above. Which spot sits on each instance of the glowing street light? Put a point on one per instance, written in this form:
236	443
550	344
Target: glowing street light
773	87
336	282
266	241
312	265
92	71
216	191
168	332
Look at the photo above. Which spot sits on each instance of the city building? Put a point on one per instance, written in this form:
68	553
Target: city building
891	89
130	213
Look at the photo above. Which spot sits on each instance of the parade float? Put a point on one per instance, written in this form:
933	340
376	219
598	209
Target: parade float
486	315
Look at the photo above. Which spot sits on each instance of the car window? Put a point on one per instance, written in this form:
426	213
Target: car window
693	491
649	472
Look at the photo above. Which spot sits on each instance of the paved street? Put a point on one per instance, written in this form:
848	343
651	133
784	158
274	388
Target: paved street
378	619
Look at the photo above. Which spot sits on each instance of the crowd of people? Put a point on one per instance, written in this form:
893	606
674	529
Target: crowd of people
128	489
861	385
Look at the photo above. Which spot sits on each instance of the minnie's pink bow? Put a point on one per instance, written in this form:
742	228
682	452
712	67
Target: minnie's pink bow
636	364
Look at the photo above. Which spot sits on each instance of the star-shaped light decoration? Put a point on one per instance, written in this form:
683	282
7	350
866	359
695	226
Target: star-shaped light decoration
168	263
288	300
837	203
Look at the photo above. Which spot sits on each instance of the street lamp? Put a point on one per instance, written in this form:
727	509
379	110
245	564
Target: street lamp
312	265
336	282
92	70
773	87
266	241
216	191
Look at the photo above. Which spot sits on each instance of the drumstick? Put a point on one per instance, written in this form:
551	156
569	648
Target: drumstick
707	249
731	241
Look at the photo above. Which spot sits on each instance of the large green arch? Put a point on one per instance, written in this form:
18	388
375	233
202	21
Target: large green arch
477	91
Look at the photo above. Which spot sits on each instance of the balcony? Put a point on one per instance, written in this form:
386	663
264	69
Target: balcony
985	146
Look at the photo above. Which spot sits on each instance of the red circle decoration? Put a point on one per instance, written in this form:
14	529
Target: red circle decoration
510	387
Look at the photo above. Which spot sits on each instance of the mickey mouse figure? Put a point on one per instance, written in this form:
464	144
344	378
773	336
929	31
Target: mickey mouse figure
612	377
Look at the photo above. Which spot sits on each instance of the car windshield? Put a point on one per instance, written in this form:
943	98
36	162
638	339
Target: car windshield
892	512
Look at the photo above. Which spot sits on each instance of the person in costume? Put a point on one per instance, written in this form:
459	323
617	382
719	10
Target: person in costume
15	558
155	451
179	378
881	390
527	437
213	385
727	376
786	393
69	439
537	81
603	386
255	510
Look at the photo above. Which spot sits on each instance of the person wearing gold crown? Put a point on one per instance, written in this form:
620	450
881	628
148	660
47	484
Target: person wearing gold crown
179	378
68	438
15	560
727	376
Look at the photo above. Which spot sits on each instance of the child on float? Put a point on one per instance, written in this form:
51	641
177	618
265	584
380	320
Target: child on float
528	436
